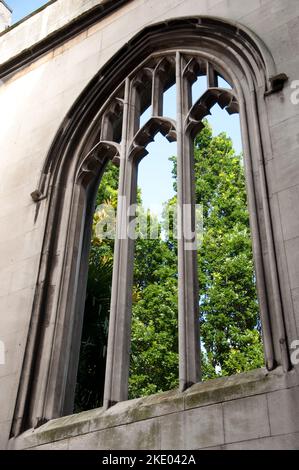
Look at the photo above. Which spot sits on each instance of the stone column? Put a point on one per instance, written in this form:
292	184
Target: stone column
119	338
189	350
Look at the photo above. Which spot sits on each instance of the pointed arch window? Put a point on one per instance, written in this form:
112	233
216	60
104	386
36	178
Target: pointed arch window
145	88
104	125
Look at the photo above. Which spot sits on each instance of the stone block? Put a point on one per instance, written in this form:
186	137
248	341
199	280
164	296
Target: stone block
292	253
4	433
295	298
285	137
30	165
5	281
19	222
158	405
16	197
293	27
24	274
15	310
203	427
14	345
261	19
56	445
289	212
8	391
284	411
19	248
142	435
246	419
279	42
172	431
280	107
284	442
88	441
285	170
229	388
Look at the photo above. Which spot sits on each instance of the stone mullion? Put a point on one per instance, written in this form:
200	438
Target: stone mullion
189	350
118	353
157	94
269	353
106	129
279	334
211	76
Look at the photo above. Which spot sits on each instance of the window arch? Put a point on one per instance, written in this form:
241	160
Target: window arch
103	125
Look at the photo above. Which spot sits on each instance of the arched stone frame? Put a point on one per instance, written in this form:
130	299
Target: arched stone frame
71	174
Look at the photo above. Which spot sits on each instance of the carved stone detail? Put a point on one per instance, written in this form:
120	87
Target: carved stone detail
147	133
73	161
89	168
193	68
226	100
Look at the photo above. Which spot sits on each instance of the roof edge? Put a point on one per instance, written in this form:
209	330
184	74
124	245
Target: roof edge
6	6
56	38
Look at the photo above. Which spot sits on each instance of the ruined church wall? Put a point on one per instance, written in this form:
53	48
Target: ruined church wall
34	101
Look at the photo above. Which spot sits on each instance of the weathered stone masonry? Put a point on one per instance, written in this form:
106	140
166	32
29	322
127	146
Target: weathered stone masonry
61	70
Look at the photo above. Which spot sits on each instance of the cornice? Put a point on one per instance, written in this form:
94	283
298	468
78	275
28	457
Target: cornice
6	6
68	31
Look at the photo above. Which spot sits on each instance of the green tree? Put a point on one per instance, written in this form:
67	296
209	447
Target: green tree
154	350
229	316
230	327
92	362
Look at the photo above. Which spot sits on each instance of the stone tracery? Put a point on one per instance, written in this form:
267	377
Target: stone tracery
105	124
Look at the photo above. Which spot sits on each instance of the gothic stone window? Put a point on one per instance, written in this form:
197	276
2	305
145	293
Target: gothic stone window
104	125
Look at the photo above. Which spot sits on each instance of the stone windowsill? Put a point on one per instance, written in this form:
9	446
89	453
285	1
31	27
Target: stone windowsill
220	390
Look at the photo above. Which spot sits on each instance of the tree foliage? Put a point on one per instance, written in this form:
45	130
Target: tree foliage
230	328
154	351
92	363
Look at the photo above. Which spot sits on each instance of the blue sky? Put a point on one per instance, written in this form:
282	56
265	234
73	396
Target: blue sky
155	170
154	173
22	8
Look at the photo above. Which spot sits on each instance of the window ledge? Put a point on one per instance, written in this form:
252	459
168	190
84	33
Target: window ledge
215	391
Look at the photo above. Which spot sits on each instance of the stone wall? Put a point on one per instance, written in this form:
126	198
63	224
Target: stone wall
256	410
40	80
5	16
